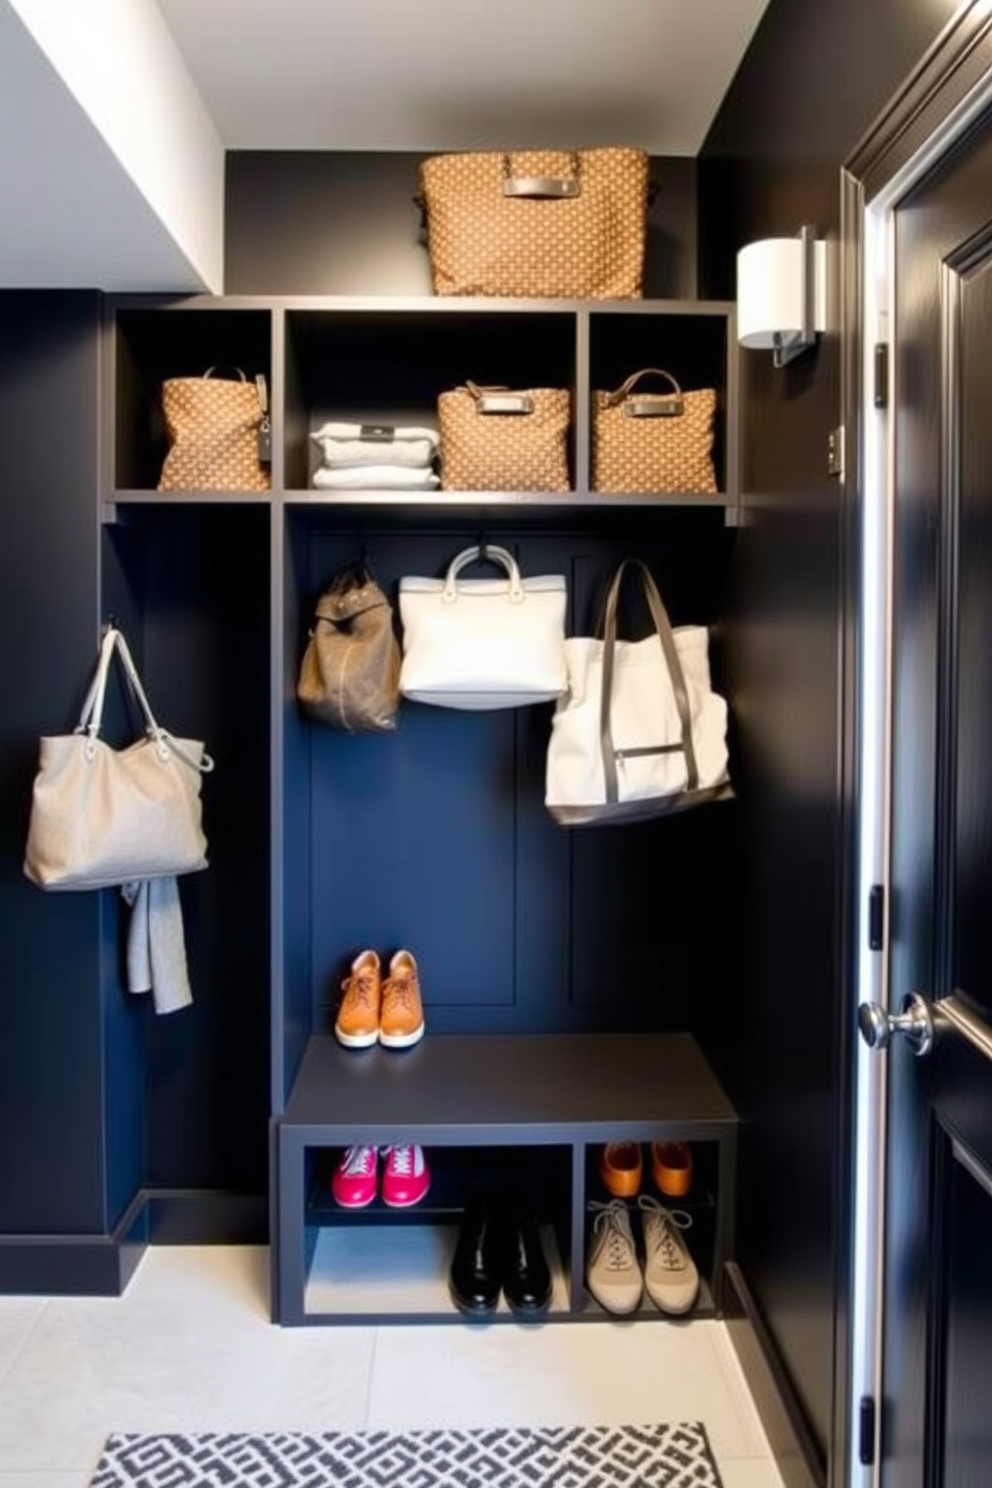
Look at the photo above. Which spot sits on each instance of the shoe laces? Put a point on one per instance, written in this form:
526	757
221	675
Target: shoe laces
612	1223
400	991
402	1160
360	988
662	1236
358	1162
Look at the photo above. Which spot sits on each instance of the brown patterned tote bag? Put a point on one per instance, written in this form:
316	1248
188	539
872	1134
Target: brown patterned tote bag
218	433
544	223
653	442
497	439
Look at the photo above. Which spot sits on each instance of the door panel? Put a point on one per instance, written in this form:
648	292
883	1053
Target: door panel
972	955
936	1364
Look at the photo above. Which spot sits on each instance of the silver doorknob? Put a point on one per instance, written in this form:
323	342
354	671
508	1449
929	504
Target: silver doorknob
915	1022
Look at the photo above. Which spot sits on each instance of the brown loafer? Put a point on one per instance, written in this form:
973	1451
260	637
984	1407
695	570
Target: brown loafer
621	1169
671	1167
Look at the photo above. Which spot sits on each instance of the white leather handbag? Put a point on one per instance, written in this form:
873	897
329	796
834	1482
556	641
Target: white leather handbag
640	731
483	643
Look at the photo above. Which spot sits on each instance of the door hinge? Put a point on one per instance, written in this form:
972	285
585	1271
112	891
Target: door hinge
866	1431
876	918
881	393
835	452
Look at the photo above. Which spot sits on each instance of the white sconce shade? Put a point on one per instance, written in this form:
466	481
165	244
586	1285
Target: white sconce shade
781	294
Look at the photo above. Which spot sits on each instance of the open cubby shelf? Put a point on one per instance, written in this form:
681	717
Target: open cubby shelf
560	969
388	360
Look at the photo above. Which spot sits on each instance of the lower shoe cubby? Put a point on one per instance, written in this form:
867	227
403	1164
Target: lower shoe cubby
521	1116
381	1259
696	1225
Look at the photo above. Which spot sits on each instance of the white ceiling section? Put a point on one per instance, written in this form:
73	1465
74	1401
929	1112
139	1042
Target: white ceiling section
115	114
111	171
435	75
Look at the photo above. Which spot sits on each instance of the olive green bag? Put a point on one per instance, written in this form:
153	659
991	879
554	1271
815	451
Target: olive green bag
349	676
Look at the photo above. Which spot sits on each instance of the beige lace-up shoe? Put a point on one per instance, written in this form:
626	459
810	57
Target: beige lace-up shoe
613	1272
357	1025
401	1017
670	1273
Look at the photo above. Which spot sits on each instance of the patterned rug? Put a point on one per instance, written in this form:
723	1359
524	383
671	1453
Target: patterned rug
555	1457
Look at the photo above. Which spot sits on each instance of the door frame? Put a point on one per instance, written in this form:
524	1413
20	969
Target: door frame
949	88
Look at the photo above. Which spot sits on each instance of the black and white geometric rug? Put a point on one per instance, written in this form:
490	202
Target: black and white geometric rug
497	1457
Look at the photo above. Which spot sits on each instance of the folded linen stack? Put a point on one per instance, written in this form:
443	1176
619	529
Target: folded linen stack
369	457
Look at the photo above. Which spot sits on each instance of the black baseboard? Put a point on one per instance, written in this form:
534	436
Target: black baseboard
179	1216
75	1265
102	1265
797	1456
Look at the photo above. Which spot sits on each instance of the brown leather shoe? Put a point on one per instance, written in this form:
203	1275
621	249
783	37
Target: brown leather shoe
401	1017
357	1024
671	1167
621	1169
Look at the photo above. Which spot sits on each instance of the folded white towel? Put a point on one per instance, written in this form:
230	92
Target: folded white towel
375	478
343	445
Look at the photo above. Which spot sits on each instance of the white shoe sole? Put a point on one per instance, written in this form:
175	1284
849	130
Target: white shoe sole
356	1040
401	1040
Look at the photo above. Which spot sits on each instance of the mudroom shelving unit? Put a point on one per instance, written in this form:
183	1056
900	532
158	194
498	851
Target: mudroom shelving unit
562	972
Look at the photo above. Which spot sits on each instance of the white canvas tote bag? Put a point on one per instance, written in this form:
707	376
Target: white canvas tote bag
483	643
639	731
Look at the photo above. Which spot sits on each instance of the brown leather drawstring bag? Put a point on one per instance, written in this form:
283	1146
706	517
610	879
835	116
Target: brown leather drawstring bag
349	676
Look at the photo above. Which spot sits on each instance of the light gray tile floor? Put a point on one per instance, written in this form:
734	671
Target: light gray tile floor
190	1347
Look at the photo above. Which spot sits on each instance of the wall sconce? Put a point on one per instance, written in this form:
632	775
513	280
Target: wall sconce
781	294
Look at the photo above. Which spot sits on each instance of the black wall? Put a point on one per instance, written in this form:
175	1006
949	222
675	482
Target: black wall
813	80
340	222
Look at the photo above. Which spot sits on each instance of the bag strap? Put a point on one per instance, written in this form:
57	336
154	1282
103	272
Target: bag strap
662	625
487	553
610	400
91	717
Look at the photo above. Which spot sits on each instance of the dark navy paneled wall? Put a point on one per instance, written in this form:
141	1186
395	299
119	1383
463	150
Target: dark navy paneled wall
436	838
199	581
52	1168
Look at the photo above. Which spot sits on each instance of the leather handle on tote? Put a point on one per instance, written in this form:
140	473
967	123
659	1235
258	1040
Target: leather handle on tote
654	406
553	188
662	625
499	399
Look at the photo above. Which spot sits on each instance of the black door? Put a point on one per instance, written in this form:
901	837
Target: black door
937	1348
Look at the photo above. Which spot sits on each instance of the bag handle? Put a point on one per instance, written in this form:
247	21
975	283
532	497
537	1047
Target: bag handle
483	553
91	717
662	625
557	188
670	406
211	370
498	399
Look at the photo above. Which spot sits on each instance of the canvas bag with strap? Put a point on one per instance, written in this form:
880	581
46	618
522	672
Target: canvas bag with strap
639	732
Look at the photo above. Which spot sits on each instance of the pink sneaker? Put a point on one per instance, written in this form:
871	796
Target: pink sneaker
406	1179
354	1179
